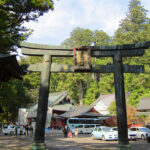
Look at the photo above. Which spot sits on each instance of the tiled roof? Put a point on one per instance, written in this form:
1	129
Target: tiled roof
64	107
144	104
79	111
108	99
53	100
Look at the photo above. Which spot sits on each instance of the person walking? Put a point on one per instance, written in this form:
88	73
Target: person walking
76	132
65	130
27	129
69	134
31	130
16	130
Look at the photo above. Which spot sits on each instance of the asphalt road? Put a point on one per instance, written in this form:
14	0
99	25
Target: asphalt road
55	141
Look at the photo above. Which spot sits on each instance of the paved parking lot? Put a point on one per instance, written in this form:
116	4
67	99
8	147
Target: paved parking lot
54	141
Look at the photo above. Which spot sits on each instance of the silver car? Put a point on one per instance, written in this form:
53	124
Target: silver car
131	135
142	132
104	133
10	130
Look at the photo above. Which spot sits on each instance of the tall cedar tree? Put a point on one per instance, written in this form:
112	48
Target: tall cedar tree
135	27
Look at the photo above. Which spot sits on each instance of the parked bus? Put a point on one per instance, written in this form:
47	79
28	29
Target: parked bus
84	125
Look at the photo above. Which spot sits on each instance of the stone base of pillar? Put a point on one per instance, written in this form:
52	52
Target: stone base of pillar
124	147
38	146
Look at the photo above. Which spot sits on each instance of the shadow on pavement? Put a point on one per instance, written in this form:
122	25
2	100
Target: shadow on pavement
56	141
15	143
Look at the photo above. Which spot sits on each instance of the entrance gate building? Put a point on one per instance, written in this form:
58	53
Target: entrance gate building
82	58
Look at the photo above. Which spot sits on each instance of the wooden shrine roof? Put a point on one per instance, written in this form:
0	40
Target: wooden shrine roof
9	68
81	111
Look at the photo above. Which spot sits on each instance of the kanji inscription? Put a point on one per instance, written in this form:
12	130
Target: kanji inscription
82	58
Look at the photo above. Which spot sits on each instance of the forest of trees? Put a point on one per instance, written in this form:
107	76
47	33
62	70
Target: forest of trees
85	88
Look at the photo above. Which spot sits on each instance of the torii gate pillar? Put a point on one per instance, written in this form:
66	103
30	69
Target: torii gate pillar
39	137
123	142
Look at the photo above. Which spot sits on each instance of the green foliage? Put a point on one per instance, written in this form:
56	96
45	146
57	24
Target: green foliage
106	83
71	82
13	14
92	93
86	37
32	79
112	108
79	37
137	94
101	38
13	95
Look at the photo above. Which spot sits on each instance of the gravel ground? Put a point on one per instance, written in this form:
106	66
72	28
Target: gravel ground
55	141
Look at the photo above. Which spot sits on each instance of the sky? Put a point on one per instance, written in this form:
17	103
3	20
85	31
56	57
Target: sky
55	26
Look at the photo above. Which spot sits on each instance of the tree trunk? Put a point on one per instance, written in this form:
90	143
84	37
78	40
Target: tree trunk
88	82
81	92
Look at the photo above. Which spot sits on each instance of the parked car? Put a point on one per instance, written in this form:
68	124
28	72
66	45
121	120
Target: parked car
104	133
131	135
142	132
10	130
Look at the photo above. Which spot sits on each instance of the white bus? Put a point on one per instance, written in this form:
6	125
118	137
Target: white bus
84	125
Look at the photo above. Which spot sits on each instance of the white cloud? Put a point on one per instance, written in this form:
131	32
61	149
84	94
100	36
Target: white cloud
55	26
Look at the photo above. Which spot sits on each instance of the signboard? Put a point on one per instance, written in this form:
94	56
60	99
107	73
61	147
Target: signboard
82	58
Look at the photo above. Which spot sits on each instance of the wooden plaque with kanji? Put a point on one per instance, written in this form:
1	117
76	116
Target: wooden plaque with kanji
82	58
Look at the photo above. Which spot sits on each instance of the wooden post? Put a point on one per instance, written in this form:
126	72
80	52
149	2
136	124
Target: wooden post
39	136
123	142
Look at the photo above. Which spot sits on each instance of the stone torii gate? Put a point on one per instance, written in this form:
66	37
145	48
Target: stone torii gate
82	64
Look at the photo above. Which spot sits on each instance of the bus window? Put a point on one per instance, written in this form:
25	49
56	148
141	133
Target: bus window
80	126
87	126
